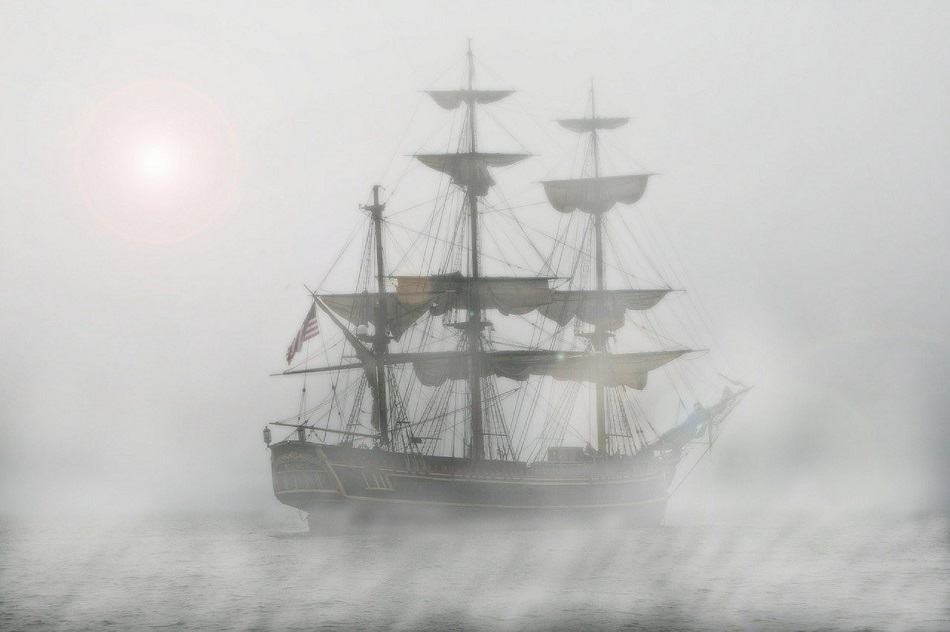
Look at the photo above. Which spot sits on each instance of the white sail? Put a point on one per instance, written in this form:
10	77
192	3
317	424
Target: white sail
451	99
470	170
595	195
581	125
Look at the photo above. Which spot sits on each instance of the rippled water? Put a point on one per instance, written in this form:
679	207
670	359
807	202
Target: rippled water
254	572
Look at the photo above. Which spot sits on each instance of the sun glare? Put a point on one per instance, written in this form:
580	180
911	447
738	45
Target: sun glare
157	162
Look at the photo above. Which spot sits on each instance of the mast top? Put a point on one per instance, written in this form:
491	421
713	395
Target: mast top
452	99
592	123
376	206
600	193
471	64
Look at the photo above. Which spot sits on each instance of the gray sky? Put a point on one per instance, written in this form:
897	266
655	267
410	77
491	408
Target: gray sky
804	149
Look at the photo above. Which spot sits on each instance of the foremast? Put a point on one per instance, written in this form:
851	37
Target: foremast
380	337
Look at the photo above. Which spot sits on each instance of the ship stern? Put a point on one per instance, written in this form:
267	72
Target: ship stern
302	478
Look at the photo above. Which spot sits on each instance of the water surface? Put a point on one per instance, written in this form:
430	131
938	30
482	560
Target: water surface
253	572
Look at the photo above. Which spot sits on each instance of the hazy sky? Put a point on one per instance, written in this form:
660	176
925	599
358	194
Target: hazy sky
804	149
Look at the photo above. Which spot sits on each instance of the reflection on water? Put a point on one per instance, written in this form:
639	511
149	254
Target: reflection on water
255	572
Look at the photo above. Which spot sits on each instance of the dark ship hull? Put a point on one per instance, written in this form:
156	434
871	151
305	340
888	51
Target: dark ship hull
335	484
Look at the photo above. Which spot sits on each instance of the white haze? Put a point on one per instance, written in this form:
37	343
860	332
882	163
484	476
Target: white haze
803	149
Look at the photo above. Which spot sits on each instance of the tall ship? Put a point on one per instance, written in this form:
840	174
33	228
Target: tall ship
482	366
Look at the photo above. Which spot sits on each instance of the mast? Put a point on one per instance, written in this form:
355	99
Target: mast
380	339
470	170
597	194
474	323
600	335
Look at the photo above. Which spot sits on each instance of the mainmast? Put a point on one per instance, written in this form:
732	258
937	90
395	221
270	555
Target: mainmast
474	324
600	335
380	339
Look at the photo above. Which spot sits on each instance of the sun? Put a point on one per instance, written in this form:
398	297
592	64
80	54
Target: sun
157	162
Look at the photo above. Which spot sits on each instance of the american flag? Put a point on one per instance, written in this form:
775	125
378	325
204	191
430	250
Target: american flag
309	329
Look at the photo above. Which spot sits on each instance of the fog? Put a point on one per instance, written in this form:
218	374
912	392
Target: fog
803	149
230	574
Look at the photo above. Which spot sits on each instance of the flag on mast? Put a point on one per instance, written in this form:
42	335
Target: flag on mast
309	329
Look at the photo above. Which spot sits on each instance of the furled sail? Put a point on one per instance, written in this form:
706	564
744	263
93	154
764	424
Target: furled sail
470	170
520	295
627	369
595	195
509	295
417	296
451	99
606	307
620	369
581	125
360	309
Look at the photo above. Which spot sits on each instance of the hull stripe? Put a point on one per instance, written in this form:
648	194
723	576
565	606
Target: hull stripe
650	501
519	481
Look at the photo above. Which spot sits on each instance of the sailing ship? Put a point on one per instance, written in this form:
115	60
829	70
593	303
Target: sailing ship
433	409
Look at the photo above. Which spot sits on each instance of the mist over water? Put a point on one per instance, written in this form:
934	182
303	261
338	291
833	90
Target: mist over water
803	150
253	572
